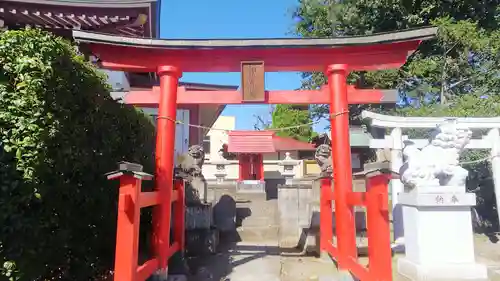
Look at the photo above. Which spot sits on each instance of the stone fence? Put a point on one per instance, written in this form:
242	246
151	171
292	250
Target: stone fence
272	169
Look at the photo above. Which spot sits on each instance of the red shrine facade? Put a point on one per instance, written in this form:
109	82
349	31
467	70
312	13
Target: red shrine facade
336	57
251	147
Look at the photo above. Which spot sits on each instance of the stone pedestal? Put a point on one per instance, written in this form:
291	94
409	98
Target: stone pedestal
220	176
251	186
438	235
220	173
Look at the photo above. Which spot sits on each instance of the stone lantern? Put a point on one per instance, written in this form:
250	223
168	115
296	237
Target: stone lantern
220	166
288	168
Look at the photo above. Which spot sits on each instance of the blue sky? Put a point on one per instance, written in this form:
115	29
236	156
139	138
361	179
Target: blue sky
231	19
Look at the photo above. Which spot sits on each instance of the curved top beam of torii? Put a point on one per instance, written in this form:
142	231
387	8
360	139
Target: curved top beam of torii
373	52
388	121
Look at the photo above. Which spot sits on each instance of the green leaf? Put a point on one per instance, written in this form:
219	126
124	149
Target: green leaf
60	132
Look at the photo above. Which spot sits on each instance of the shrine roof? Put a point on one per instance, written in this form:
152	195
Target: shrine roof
263	142
123	17
371	52
290	144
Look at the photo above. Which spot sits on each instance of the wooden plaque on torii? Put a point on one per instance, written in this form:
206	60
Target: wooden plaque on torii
252	81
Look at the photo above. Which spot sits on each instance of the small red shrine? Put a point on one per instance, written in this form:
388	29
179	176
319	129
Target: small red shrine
251	146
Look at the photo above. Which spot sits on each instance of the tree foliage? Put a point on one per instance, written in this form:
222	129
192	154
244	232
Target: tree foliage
60	132
455	75
286	116
440	69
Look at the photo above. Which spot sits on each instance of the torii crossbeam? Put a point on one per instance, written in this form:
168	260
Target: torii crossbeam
321	96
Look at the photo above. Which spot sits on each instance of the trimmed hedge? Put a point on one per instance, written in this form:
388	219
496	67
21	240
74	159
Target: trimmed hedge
60	132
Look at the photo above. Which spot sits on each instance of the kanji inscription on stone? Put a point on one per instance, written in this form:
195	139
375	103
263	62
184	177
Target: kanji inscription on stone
439	199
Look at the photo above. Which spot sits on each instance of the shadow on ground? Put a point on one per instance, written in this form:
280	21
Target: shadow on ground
219	266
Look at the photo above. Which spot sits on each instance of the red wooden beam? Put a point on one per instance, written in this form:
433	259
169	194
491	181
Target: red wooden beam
355	96
174	247
364	57
147	269
356	198
147	199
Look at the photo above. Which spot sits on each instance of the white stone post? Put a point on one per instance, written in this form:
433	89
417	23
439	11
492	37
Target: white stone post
439	241
494	139
220	166
288	168
396	137
396	186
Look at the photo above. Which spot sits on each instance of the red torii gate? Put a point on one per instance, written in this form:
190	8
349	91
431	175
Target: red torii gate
335	56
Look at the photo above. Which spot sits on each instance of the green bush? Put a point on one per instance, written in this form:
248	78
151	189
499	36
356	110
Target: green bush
60	131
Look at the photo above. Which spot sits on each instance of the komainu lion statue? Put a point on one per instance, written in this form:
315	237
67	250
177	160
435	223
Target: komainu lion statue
190	169
323	157
437	164
193	160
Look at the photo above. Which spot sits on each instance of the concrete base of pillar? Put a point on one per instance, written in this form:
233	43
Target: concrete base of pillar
324	256
450	272
160	275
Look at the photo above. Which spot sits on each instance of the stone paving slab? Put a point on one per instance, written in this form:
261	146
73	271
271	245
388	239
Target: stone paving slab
256	262
258	257
308	269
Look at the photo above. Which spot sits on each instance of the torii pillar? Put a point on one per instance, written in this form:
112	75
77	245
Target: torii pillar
341	159
164	159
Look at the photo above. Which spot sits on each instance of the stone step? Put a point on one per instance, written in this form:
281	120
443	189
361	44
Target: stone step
250	198
258	222
257	212
309	241
259	233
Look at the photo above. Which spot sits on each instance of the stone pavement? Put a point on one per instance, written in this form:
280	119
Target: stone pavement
254	253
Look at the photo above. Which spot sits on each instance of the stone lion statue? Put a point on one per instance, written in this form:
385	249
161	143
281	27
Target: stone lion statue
323	156
190	169
437	164
193	160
